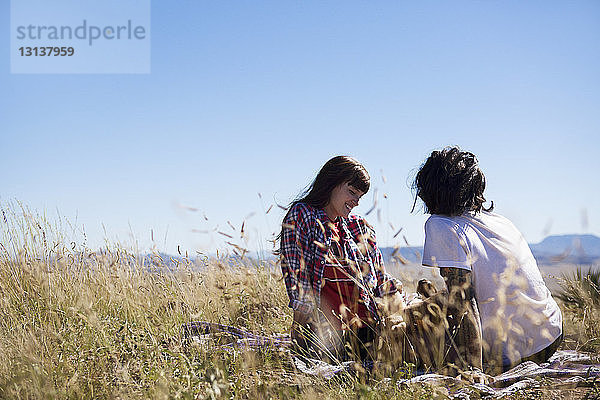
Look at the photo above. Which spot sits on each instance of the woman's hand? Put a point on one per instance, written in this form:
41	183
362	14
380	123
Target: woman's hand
301	318
301	328
390	304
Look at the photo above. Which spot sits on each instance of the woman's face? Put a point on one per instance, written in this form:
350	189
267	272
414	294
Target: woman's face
343	199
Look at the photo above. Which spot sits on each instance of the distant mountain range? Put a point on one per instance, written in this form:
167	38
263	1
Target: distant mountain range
557	249
574	249
567	249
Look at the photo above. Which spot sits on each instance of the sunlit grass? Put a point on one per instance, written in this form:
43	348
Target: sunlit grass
76	323
580	297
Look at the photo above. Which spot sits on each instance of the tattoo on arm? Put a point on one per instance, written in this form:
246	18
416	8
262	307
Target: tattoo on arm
464	318
458	282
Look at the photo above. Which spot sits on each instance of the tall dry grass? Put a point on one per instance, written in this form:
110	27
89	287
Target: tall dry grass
580	297
77	323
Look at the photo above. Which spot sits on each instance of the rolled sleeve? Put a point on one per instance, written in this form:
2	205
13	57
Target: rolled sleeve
445	245
296	258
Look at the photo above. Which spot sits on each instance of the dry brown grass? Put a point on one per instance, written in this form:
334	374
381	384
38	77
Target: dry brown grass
75	323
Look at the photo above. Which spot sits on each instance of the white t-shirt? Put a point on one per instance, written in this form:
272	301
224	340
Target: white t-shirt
518	314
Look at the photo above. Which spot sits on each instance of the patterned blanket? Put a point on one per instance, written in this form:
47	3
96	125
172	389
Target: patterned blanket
565	369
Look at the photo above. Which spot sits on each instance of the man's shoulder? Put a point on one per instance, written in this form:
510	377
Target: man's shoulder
441	221
444	226
490	217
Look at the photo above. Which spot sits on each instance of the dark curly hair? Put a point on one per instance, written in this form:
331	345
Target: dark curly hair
450	183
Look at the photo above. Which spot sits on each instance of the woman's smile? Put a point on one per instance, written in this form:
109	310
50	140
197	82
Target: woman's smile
343	199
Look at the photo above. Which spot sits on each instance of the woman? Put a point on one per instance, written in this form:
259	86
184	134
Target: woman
332	268
488	267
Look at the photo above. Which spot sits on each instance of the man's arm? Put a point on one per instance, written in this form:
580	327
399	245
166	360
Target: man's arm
463	319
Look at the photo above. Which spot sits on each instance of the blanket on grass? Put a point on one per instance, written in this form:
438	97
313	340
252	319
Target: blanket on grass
566	369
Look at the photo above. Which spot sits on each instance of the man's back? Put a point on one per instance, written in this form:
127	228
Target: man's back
519	317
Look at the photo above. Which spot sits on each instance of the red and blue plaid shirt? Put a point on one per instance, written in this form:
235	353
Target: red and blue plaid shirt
305	241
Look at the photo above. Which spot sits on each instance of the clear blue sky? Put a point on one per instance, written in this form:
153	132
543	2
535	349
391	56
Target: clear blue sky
253	97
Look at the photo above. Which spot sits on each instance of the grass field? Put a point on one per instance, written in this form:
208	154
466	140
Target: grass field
81	324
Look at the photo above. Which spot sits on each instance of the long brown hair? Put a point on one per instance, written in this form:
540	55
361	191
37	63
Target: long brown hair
338	170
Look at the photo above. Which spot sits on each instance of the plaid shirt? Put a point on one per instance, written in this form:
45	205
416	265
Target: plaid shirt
304	248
